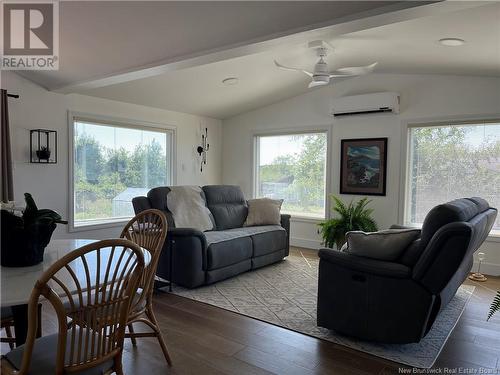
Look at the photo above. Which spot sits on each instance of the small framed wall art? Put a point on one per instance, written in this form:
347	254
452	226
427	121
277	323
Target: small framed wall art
363	166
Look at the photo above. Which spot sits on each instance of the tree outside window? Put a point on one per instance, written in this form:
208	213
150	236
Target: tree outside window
112	165
454	161
293	168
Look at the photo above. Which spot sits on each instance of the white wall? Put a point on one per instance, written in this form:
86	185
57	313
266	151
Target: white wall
39	108
423	97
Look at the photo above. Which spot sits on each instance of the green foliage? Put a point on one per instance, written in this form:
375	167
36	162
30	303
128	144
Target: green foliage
280	169
100	174
354	216
32	215
495	305
448	165
305	173
310	170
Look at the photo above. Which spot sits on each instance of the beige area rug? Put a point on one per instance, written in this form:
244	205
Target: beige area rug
285	294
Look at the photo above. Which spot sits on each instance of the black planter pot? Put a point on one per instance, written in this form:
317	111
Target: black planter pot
23	246
43	154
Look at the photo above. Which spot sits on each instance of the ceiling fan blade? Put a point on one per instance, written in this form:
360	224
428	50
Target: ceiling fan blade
353	71
316	84
292	69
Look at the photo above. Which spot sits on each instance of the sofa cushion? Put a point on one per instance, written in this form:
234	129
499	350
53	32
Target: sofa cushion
386	245
411	254
234	245
269	242
263	211
158	199
226	253
189	208
229	234
227	204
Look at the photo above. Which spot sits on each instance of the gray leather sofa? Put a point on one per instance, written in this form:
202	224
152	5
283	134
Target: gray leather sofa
397	302
200	258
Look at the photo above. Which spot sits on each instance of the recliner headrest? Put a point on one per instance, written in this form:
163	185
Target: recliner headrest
462	209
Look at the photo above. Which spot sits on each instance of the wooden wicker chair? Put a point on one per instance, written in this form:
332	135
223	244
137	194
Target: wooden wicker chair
148	230
7	323
96	346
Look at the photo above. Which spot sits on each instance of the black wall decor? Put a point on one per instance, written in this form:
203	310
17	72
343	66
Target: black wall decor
43	146
203	149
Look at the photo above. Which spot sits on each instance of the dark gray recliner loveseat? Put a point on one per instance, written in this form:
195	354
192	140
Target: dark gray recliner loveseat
397	302
206	257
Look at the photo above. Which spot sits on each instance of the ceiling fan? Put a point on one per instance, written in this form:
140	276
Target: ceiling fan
321	76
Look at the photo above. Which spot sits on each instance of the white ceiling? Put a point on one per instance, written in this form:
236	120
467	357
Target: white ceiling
103	38
404	47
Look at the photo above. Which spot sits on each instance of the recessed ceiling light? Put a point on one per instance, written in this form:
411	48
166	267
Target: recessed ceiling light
230	81
451	42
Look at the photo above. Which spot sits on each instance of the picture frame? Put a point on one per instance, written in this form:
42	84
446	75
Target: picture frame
363	166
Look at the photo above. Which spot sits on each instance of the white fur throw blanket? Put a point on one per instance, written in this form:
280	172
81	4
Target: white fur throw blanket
188	208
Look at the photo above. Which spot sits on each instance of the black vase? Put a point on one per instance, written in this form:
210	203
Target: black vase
23	245
43	154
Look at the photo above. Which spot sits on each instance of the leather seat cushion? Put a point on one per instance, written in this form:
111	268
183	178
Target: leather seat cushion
226	253
43	359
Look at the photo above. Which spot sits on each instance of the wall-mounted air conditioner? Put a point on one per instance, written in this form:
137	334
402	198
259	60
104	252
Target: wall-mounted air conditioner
379	102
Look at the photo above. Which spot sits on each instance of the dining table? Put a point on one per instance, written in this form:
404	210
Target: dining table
17	282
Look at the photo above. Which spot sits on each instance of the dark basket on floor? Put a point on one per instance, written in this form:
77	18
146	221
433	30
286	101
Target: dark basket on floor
23	246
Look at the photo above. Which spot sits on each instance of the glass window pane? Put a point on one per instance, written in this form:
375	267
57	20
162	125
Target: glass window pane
293	168
449	162
112	165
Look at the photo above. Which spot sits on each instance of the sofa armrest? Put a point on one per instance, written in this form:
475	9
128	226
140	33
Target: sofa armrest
187	249
187	232
141	204
285	223
367	265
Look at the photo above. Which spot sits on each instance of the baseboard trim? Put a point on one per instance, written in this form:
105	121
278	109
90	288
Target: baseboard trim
304	242
491	269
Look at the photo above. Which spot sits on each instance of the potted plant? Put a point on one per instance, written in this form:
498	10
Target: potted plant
354	216
43	153
25	237
495	305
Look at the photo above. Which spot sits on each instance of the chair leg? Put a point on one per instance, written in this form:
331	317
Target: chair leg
8	332
118	367
131	330
152	318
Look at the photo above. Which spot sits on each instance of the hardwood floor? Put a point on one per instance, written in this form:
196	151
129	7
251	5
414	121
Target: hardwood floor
203	339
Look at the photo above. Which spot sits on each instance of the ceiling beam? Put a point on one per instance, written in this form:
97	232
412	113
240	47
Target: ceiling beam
397	12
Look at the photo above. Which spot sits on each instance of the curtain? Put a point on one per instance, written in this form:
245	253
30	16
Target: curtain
7	186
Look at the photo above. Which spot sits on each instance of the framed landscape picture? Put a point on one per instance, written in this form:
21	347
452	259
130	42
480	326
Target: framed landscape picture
363	166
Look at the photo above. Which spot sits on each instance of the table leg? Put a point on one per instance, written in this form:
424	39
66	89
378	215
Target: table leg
171	264
20	315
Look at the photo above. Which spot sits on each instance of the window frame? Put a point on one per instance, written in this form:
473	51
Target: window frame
326	129
406	155
121	123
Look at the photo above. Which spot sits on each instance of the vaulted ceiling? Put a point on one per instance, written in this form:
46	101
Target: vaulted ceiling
174	55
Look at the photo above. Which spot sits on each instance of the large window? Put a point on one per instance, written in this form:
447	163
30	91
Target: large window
113	164
452	161
292	167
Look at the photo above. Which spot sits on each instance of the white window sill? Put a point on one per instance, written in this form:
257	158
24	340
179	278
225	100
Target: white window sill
305	219
98	224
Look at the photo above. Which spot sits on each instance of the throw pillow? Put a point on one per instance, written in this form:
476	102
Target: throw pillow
188	207
263	211
385	245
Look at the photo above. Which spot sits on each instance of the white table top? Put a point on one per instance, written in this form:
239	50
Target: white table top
17	282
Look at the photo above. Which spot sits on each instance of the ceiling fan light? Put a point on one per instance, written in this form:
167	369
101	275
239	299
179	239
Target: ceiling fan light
315	83
452	42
